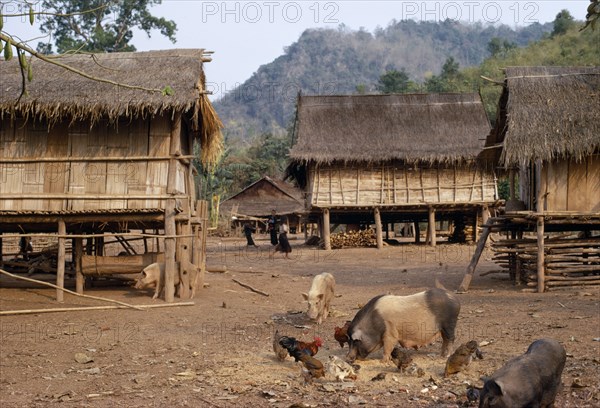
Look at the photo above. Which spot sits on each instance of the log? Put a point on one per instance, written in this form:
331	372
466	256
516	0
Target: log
170	243
571	279
540	260
78	254
378	229
67	290
326	230
464	286
245	285
574	283
83	308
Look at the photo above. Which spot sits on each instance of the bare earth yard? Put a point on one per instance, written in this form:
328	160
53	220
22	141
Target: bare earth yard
218	352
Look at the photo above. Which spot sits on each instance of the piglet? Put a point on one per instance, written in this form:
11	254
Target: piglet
319	296
529	380
154	275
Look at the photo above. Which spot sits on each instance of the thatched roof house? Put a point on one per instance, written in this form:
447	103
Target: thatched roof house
380	128
547	113
107	154
402	155
264	195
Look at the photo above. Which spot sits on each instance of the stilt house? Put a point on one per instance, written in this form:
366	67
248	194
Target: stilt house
107	160
548	133
391	158
255	202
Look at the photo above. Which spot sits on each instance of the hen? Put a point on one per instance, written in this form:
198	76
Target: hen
341	333
401	358
461	358
313	367
280	352
339	369
297	348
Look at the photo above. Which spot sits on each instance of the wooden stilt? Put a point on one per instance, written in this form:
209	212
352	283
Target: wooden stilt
540	256
431	225
60	264
417	232
77	254
326	232
170	248
378	229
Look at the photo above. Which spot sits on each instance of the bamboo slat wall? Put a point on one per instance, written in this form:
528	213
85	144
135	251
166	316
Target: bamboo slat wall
569	185
41	167
397	185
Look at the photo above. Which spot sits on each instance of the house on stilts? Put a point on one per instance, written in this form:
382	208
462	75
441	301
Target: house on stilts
385	159
547	138
105	166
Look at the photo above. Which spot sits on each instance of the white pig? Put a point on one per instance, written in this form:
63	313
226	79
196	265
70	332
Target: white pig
319	296
154	275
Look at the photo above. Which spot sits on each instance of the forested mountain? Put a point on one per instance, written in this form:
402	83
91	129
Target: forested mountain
326	61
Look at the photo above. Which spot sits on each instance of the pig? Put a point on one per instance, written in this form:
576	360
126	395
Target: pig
154	275
412	321
529	380
319	296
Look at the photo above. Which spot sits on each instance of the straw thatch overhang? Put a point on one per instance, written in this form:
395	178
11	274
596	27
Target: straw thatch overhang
413	128
57	95
546	113
264	195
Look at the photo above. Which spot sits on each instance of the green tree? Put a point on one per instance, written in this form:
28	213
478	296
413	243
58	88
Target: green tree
100	25
563	22
394	81
451	79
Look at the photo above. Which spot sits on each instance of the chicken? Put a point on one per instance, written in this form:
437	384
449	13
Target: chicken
341	333
313	368
461	358
401	358
339	369
280	352
297	348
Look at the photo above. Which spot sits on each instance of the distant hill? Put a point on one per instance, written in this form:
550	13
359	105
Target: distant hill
326	61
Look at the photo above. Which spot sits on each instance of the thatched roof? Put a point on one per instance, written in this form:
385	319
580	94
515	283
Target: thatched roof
56	94
373	128
264	195
546	113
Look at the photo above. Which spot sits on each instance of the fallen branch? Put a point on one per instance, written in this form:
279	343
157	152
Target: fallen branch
78	309
2	271
245	285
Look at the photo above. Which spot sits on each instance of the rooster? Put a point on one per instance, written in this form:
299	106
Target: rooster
297	348
341	333
280	352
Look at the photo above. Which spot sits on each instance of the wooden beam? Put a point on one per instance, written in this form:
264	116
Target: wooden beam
170	246
464	286
60	263
326	230
540	256
378	229
69	159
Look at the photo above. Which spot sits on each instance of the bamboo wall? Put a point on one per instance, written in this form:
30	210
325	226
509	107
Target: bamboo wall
568	185
41	168
398	185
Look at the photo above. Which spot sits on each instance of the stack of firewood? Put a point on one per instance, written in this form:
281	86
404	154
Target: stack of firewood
567	262
353	239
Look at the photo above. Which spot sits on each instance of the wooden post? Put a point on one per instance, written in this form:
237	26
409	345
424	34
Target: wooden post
326	232
378	231
464	286
485	214
431	225
475	226
170	248
540	256
417	232
77	253
198	245
0	247
60	264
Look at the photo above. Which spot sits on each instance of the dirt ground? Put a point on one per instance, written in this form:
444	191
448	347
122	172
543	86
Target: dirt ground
218	352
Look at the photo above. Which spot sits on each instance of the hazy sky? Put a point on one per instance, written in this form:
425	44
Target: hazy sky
247	34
